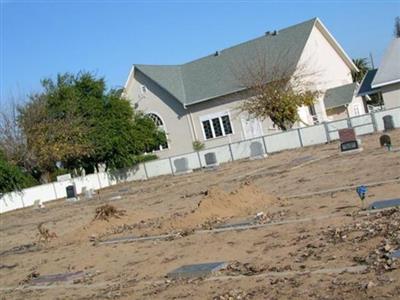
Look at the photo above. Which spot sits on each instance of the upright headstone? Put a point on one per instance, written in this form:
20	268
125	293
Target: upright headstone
385	140
348	140
71	193
211	159
256	150
388	123
88	193
181	165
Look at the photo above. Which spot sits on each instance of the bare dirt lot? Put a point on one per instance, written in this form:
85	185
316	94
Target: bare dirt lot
303	245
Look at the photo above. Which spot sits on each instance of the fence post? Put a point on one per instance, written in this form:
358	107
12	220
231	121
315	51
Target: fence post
328	137
349	122
54	189
170	165
265	145
98	179
145	170
230	150
373	119
299	134
198	156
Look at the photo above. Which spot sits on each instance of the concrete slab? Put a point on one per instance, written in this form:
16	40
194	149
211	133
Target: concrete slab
61	277
233	225
21	249
385	204
129	239
196	270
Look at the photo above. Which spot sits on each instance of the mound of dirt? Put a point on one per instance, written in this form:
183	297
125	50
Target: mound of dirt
218	205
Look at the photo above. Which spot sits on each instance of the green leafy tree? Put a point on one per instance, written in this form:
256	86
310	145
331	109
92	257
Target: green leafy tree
77	123
362	65
52	138
12	177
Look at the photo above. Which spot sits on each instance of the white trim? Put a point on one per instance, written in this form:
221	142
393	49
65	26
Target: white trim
384	83
128	80
213	97
164	128
212	116
259	123
336	45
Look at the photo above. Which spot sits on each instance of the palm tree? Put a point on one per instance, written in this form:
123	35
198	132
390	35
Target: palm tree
362	65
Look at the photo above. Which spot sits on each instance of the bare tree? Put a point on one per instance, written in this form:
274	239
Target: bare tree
275	87
12	140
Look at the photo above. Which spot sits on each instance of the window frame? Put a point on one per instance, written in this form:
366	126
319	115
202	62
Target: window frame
163	127
356	110
210	118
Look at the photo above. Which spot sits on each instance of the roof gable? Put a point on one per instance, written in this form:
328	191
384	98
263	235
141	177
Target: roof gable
389	70
365	87
214	75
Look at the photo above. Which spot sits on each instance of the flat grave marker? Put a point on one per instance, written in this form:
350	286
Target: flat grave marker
196	270
61	277
385	204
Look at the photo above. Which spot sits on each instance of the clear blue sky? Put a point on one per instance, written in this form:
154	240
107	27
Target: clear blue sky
42	38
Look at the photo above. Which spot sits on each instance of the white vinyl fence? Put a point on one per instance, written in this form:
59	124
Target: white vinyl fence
294	138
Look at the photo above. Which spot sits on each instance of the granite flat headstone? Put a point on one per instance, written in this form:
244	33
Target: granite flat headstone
62	277
385	204
197	270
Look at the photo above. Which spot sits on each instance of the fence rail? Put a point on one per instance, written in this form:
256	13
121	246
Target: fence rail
260	146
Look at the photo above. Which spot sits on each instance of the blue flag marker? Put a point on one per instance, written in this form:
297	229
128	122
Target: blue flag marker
362	192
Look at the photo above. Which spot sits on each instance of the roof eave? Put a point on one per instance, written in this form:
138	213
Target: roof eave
213	97
339	48
384	83
129	79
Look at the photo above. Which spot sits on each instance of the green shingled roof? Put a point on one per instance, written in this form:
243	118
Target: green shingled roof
214	75
339	96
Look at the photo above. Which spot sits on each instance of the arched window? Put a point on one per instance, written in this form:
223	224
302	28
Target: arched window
160	124
157	120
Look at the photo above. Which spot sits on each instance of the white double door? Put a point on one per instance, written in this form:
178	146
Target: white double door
251	127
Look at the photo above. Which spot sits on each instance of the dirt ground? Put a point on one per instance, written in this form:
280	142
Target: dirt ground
305	246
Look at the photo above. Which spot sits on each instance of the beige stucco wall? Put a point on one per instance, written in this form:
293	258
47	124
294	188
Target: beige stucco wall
326	67
230	104
391	95
339	113
172	113
184	126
